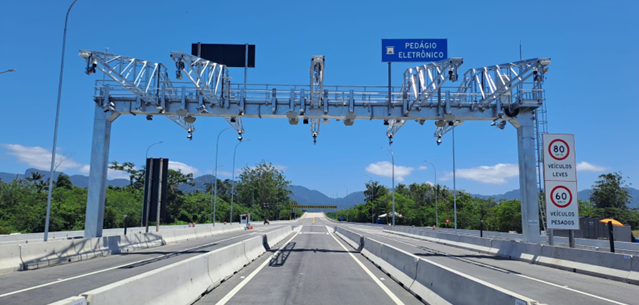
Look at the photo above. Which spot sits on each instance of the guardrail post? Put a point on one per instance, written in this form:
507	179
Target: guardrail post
571	238
481	228
611	236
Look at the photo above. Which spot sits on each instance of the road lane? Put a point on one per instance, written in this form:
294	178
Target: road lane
313	268
46	285
544	284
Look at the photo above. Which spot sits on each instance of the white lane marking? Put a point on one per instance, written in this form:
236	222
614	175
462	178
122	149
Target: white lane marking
375	279
573	290
116	267
520	275
239	286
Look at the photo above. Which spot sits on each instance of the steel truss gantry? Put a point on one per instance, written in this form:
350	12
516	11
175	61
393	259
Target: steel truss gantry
510	92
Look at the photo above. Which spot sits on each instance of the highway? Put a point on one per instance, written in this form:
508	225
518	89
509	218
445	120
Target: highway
544	284
46	285
313	267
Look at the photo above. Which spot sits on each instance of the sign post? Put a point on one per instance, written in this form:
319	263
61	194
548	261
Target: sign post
560	183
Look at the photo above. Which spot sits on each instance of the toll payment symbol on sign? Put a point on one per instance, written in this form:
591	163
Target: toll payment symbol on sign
390	50
559	149
561	196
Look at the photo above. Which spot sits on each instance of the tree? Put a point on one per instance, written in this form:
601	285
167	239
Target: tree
64	181
267	187
610	191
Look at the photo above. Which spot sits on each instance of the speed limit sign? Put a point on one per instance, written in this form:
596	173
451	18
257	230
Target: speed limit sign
559	157
562	206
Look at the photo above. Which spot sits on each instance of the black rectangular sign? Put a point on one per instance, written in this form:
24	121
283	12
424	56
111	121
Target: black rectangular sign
231	55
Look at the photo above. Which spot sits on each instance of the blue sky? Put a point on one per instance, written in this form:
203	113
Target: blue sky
591	87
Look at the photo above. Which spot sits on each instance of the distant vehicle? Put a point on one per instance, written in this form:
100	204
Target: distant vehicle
341	218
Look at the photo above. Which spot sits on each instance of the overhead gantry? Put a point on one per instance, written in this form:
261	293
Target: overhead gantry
510	92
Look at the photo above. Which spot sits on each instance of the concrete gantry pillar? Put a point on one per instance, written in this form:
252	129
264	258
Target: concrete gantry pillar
98	172
528	177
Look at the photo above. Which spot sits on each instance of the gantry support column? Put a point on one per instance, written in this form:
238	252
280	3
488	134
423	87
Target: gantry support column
528	177
98	172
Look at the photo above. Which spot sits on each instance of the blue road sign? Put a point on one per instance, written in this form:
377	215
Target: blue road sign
414	50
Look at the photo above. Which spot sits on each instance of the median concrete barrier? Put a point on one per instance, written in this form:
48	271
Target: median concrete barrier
353	239
275	236
184	235
78	300
516	250
404	264
633	275
179	283
602	264
223	263
253	248
10	258
42	254
459	288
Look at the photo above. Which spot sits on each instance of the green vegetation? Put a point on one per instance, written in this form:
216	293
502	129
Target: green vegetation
23	202
416	204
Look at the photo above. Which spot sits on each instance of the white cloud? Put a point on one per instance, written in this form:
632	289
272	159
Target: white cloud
495	174
111	174
423	168
584	166
224	174
385	169
186	169
40	158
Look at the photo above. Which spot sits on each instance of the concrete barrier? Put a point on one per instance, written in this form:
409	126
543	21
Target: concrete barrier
403	263
633	275
223	263
516	250
602	264
71	301
253	248
42	254
10	258
179	283
353	239
275	236
459	288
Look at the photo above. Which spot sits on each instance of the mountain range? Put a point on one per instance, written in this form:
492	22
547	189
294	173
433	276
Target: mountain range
301	194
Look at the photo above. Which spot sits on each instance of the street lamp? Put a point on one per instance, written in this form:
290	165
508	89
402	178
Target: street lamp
10	70
214	199
436	194
55	129
233	186
372	200
346	195
393	179
147	150
146	156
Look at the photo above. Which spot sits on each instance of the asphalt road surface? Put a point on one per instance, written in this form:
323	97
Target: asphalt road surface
544	284
313	267
51	284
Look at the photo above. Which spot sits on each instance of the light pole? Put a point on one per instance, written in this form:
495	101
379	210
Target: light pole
393	179
214	199
372	200
454	183
436	194
10	70
346	198
57	119
146	157
233	186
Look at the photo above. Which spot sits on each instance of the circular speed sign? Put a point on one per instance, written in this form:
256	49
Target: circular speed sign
559	149
561	196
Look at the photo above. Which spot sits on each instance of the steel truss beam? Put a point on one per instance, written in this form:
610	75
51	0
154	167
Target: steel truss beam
148	81
211	81
496	93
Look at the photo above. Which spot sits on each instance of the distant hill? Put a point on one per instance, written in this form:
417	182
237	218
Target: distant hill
582	195
78	180
305	196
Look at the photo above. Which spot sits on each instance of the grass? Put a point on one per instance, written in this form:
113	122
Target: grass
636	233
